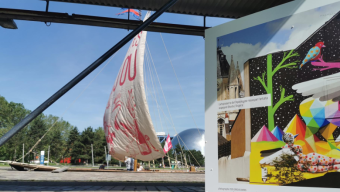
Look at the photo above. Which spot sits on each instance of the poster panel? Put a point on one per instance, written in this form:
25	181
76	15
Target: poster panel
272	93
42	157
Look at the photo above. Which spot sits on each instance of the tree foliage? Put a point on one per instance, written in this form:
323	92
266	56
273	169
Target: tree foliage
63	139
193	157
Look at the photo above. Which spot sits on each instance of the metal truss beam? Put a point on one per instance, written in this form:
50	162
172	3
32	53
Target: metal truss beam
76	19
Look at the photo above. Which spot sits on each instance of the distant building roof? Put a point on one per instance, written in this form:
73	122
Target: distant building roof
213	8
160	133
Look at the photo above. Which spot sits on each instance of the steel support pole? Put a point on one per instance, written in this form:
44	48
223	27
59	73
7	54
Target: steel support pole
204	20
181	159
92	155
128	18
48	155
23	153
176	164
83	74
106	158
47	5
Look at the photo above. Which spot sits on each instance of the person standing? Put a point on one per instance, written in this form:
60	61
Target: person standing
129	163
132	163
139	167
102	166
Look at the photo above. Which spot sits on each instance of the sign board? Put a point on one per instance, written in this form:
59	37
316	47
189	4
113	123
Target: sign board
42	157
272	83
108	157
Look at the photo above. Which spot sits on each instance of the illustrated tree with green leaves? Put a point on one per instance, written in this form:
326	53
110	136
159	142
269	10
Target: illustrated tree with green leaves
286	170
268	86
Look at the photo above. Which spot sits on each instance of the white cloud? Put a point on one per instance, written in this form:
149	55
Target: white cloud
241	52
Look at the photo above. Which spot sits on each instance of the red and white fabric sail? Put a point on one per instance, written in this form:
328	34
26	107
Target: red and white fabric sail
167	145
127	123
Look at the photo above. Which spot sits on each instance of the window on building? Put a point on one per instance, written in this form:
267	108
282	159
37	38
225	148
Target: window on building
220	126
231	123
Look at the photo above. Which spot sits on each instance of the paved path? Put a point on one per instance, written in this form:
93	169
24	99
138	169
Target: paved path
11	180
100	186
13	175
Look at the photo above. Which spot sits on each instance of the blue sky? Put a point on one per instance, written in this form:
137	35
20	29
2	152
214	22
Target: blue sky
37	60
258	34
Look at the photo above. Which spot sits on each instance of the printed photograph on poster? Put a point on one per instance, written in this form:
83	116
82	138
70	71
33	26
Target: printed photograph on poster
229	78
294	140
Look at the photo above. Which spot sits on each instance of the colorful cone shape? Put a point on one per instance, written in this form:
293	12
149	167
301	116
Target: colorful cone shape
304	146
337	140
322	147
327	132
309	138
331	145
334	153
332	140
296	126
264	135
278	133
332	112
313	113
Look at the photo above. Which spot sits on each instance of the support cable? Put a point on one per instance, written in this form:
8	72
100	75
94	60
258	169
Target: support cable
157	96
151	74
147	73
81	93
173	125
180	85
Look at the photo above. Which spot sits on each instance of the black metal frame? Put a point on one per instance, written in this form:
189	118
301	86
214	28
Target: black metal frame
83	74
46	10
76	19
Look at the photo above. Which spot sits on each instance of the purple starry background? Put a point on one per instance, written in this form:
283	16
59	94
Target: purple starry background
330	35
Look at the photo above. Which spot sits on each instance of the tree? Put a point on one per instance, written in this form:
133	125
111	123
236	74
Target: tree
179	149
269	85
196	157
77	151
287	171
36	129
57	145
99	142
70	145
57	137
86	139
4	119
11	114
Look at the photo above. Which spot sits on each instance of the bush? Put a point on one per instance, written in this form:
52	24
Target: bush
287	169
